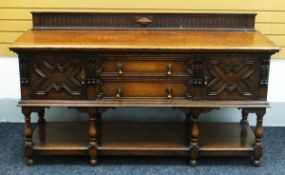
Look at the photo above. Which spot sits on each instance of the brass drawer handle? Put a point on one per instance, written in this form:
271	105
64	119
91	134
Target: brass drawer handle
120	69
206	80
169	92
188	95
119	91
169	69
83	77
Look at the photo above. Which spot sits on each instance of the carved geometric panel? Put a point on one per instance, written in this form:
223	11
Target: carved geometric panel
57	77
231	77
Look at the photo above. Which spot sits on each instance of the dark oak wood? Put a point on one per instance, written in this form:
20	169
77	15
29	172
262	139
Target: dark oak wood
28	131
244	120
195	135
138	102
194	21
140	40
145	138
93	144
97	61
73	141
225	139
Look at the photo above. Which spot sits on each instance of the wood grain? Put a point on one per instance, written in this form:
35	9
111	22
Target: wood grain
16	16
190	21
95	70
73	141
144	90
120	138
144	40
263	16
144	103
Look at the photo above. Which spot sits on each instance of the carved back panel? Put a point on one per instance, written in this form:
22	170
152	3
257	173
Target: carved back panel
174	21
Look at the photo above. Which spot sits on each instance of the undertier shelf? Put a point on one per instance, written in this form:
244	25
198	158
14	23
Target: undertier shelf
143	138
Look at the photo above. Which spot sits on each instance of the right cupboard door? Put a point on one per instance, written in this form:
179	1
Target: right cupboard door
231	77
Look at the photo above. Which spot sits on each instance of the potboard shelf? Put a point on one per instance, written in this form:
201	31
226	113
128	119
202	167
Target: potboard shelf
142	138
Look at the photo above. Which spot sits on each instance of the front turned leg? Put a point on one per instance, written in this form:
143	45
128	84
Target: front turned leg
41	123
194	143
92	137
41	115
28	131
258	148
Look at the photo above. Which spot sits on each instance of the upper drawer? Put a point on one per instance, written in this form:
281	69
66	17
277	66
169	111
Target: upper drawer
163	65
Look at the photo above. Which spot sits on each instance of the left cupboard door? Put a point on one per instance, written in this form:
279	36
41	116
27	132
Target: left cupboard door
57	76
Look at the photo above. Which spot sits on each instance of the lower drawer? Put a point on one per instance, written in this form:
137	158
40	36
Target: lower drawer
143	90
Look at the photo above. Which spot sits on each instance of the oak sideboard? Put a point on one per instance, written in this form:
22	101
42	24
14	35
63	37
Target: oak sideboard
193	62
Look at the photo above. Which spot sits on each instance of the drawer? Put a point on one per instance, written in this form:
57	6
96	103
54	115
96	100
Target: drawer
143	90
166	65
153	67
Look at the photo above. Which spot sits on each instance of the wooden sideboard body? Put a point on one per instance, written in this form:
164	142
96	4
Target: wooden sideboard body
96	61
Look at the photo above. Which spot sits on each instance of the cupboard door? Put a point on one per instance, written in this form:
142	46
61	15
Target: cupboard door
231	77
57	76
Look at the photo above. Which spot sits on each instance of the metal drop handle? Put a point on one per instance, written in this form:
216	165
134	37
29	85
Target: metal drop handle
119	91
169	92
206	80
169	69
120	68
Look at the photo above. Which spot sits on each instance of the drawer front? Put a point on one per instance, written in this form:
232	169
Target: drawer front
143	90
57	76
232	77
152	67
165	65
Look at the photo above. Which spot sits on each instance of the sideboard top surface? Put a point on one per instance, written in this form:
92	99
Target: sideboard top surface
213	32
129	40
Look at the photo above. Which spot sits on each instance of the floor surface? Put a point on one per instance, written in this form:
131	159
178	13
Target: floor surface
12	160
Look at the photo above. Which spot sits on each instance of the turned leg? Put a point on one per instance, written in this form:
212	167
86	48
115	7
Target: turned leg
194	144
28	131
41	115
92	137
41	123
258	148
244	120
